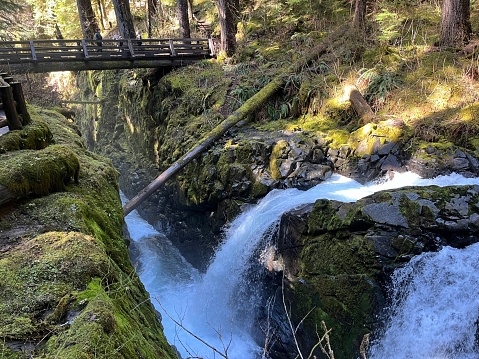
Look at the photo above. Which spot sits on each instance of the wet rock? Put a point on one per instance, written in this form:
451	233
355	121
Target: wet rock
328	246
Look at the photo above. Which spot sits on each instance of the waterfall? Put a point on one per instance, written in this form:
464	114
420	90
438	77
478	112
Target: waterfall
434	308
219	305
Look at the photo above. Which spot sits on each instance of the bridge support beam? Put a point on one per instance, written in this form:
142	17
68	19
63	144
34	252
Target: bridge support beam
19	98
6	95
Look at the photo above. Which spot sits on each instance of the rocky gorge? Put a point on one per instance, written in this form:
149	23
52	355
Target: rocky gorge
69	288
67	281
344	253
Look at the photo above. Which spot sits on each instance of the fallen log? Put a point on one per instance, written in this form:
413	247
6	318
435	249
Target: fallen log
251	105
240	114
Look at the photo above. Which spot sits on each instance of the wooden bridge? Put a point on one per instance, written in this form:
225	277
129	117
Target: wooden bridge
79	55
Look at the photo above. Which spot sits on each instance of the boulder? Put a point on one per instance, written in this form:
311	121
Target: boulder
338	256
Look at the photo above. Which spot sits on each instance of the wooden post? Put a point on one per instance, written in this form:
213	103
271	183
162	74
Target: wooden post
32	49
172	48
130	47
20	100
9	107
211	45
85	49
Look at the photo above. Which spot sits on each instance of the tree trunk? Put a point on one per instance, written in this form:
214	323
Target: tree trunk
240	114
182	14
124	19
359	15
59	35
228	15
19	99
87	18
455	23
151	12
190	9
9	106
251	105
101	10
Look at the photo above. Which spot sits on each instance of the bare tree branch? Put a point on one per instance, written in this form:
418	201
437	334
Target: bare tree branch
190	332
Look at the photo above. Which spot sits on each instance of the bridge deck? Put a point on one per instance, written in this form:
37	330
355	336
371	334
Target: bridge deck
77	55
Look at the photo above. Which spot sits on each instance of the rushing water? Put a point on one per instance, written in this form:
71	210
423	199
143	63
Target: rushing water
435	305
219	306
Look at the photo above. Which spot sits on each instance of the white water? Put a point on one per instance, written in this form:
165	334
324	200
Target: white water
215	305
435	307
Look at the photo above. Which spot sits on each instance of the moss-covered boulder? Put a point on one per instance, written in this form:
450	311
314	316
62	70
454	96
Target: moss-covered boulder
67	287
338	256
35	136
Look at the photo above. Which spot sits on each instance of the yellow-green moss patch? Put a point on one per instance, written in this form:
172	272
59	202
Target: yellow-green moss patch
38	172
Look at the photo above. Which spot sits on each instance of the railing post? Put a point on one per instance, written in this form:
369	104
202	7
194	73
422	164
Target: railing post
130	47
172	48
6	95
211	46
20	100
32	49
85	49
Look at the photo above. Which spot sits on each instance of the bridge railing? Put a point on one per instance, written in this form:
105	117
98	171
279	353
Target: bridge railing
107	49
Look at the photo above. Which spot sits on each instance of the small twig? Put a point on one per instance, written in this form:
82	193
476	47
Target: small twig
329	352
290	323
189	331
364	346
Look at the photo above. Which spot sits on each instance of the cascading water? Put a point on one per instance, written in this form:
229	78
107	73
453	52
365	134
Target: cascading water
219	305
434	308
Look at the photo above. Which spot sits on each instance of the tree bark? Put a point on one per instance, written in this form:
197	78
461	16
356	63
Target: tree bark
124	19
87	18
228	14
183	19
101	10
455	23
59	35
151	12
359	19
19	98
6	95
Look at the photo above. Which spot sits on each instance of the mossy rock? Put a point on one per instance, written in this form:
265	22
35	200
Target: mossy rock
103	327
337	275
37	173
35	136
35	275
64	265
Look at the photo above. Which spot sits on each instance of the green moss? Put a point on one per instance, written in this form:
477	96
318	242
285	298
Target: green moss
37	276
104	327
276	154
323	218
6	353
337	271
49	277
39	172
411	210
36	135
337	138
